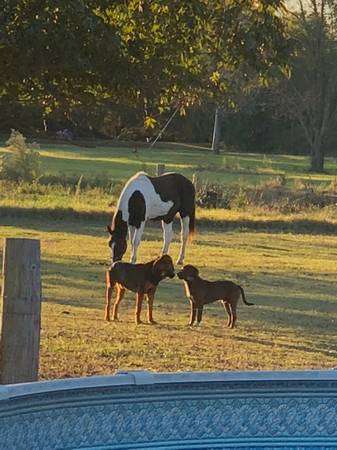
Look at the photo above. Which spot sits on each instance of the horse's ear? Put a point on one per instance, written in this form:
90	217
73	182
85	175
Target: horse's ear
109	230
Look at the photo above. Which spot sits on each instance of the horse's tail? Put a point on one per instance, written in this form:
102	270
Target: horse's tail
188	203
244	297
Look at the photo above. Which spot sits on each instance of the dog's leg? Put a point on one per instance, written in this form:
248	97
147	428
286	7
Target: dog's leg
193	314
136	241
139	301
119	298
199	314
168	235
229	312
108	294
185	221
150	298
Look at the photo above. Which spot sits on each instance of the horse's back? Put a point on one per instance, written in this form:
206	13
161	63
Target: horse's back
160	195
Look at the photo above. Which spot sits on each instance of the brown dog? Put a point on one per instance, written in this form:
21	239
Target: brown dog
140	278
201	292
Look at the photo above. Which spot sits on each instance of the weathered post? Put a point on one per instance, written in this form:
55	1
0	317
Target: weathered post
21	311
160	169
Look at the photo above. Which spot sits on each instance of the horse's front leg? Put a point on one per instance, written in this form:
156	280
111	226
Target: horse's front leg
136	241
168	235
185	222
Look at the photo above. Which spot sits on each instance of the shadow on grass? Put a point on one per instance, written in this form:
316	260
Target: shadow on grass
331	351
68	218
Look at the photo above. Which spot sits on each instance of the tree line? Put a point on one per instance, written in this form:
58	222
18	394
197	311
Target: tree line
121	68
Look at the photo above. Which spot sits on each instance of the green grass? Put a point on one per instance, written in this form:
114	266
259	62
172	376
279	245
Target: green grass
121	163
118	164
290	277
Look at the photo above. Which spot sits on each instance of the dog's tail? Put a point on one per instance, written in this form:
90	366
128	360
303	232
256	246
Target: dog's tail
244	297
188	204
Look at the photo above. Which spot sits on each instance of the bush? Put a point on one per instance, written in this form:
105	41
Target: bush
23	161
213	195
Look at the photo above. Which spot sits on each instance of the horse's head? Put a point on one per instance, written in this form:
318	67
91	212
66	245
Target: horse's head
117	240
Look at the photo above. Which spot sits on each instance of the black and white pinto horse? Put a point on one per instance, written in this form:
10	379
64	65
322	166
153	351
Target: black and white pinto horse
152	198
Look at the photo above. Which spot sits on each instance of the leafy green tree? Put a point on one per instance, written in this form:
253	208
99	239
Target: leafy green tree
259	47
151	54
310	95
56	54
183	50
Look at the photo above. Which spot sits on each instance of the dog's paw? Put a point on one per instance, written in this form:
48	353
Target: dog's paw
138	322
115	319
152	322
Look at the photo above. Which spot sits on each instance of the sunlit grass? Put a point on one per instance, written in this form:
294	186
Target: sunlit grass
290	277
121	163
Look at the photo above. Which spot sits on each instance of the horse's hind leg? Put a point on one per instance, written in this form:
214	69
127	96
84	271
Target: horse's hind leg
168	235
185	221
136	241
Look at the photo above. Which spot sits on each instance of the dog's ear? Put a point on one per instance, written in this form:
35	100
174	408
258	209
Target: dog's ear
156	263
192	272
158	266
109	229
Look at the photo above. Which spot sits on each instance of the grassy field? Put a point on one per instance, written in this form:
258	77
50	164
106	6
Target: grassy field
121	163
286	263
114	165
291	278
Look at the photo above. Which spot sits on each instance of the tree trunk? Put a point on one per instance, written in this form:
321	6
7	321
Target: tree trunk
216	132
317	156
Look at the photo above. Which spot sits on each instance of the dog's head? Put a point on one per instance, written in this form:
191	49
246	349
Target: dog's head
188	273
163	267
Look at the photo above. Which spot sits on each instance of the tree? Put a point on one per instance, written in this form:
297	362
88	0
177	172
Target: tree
56	54
310	95
151	54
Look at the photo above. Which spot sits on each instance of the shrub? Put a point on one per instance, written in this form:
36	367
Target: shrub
240	200
213	195
276	182
333	185
23	161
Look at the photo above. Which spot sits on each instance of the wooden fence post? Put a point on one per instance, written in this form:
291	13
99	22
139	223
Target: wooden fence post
160	169
21	311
